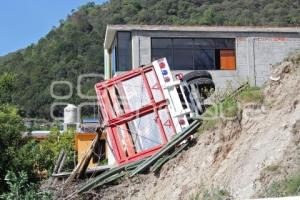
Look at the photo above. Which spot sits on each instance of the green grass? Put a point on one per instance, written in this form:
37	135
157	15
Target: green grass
207	125
104	162
214	194
287	187
228	108
251	95
272	168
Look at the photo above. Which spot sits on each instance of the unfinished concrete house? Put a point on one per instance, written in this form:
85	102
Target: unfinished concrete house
230	54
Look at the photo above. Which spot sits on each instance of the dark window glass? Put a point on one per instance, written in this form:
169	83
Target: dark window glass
182	54
161	53
204	43
183	59
222	43
204	59
124	59
192	53
183	43
161	43
162	48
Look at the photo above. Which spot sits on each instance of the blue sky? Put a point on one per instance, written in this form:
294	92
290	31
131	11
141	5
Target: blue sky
24	22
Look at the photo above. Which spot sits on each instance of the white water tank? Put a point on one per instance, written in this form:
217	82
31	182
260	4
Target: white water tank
71	114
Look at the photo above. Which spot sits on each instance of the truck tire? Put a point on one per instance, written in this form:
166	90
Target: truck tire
196	74
205	86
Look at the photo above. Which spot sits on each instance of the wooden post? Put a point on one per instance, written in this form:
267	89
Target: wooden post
88	156
56	166
62	163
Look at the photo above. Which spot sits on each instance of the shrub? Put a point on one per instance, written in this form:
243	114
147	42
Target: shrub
251	95
11	126
51	147
224	110
21	189
227	108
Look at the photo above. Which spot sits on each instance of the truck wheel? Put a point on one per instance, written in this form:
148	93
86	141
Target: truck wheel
196	74
205	86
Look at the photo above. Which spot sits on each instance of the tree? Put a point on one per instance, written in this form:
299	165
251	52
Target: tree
50	148
11	126
25	154
7	85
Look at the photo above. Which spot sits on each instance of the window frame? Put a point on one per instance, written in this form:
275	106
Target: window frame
117	62
113	57
194	48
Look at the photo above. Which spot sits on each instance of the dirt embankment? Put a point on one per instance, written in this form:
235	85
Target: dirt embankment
241	156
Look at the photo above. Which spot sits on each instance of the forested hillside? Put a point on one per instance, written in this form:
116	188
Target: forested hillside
75	47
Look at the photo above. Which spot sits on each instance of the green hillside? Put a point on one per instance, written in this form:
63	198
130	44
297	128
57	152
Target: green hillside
75	47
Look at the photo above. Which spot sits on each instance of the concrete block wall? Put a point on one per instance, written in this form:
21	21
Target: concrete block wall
141	49
270	51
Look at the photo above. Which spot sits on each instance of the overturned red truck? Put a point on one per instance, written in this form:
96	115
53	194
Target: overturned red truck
144	108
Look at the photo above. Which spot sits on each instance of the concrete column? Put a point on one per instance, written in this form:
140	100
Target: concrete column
251	60
107	64
145	49
141	49
135	49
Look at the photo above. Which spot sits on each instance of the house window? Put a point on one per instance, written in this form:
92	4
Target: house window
162	47
196	53
123	51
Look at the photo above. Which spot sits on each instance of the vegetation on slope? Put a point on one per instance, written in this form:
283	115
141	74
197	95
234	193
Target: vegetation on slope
229	106
287	187
20	188
24	155
75	47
